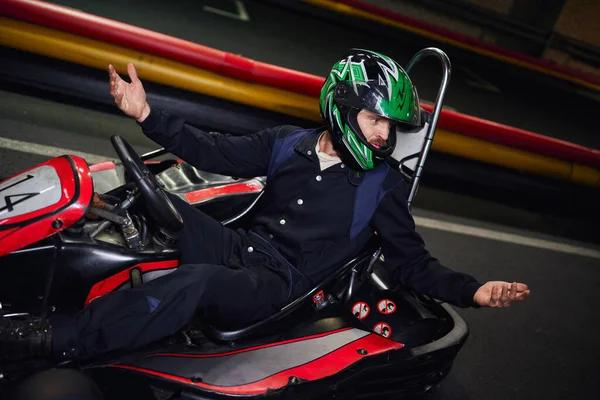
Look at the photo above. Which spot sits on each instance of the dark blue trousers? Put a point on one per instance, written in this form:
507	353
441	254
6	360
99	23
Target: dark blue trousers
223	278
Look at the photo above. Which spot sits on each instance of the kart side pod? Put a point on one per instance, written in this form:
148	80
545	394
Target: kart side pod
42	201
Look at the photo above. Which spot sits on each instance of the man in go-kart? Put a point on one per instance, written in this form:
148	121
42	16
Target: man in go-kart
329	190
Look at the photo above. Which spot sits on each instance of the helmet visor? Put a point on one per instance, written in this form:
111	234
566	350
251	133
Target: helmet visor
399	102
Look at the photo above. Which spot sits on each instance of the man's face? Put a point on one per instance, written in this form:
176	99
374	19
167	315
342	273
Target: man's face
375	128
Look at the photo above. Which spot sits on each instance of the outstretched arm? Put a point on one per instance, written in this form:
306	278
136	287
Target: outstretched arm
405	252
242	156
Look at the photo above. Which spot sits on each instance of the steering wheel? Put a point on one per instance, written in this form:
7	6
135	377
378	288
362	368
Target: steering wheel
160	208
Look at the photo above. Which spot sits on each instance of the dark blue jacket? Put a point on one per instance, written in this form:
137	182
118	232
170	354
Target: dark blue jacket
317	219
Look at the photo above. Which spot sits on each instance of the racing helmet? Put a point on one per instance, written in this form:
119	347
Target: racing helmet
364	79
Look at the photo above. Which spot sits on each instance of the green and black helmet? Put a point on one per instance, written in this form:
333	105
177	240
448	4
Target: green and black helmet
364	79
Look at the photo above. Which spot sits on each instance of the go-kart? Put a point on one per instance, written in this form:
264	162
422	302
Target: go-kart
70	233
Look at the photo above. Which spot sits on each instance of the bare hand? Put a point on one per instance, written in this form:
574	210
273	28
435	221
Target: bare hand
129	97
500	294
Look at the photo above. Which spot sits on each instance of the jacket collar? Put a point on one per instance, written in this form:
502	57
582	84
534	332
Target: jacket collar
306	147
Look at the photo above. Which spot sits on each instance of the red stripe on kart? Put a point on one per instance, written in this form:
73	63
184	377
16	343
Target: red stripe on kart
320	368
264	346
7	232
208	193
103	166
114	281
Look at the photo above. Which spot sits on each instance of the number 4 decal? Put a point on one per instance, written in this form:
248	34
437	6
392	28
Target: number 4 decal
241	15
28	177
8	200
10	204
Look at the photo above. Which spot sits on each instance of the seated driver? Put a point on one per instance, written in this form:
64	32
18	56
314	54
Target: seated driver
329	189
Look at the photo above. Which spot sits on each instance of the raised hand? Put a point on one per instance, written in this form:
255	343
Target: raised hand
129	97
500	294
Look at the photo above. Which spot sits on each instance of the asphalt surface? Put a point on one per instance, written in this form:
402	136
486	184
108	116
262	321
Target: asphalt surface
542	348
31	120
306	42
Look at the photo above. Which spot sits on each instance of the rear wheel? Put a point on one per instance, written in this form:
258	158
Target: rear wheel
56	384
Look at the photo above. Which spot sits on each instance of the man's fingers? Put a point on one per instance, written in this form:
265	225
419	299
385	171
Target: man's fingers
113	90
495	296
113	86
116	86
521	287
114	76
118	95
112	72
132	72
504	294
513	291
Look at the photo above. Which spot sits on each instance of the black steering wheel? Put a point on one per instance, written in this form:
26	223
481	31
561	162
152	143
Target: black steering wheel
160	208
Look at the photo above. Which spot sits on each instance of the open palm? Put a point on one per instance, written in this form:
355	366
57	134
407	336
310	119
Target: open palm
500	293
129	97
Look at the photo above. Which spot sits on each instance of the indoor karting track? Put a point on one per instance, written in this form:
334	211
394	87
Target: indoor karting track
543	348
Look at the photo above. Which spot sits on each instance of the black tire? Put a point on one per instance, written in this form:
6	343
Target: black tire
56	384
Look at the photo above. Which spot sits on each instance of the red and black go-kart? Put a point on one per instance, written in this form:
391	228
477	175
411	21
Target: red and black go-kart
70	233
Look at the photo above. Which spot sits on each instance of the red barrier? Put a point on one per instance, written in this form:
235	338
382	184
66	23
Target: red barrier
104	29
77	22
469	40
517	138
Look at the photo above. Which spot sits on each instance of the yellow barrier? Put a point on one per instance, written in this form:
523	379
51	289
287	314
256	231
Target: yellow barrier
93	53
96	54
356	12
481	150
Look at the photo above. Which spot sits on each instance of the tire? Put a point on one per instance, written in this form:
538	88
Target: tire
56	384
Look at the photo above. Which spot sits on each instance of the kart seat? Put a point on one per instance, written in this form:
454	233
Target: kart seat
318	296
407	156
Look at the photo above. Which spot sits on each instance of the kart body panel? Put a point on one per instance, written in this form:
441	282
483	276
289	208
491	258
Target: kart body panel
317	351
42	201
